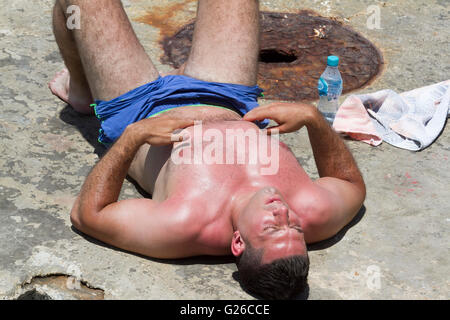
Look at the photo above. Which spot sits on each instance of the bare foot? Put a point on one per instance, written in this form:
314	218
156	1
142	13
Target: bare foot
65	89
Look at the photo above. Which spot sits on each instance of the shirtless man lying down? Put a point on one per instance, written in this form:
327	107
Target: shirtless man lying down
200	207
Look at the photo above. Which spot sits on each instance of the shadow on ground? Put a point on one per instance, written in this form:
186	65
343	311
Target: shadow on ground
324	244
88	125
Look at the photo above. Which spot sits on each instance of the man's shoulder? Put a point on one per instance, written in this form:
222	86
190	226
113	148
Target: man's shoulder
313	205
336	204
206	226
196	213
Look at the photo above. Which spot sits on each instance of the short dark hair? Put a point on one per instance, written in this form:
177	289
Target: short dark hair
280	279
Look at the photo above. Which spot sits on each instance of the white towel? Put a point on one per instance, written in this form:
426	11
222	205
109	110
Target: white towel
411	120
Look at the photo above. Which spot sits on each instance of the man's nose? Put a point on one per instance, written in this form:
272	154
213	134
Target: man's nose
282	213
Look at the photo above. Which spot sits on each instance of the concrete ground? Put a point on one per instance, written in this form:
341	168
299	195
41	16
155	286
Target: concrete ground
398	247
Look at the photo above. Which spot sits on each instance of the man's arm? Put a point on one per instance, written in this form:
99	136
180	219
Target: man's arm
340	179
138	225
339	175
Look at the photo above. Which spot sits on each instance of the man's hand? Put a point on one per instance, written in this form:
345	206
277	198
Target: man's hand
157	131
290	117
102	186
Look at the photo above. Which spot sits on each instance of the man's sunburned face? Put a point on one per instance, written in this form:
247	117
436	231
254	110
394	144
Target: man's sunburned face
268	222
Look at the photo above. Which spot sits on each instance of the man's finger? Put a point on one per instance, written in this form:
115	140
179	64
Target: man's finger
259	114
269	130
277	129
164	139
267	105
179	134
274	130
181	123
177	137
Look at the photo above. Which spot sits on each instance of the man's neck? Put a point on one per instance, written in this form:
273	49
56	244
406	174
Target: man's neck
239	201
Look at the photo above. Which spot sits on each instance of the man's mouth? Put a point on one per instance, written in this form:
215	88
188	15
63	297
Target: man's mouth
273	199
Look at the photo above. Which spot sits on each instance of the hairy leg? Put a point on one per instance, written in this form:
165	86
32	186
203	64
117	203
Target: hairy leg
225	46
70	84
104	57
225	49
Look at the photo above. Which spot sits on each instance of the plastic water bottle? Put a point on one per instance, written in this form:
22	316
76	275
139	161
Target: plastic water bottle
330	89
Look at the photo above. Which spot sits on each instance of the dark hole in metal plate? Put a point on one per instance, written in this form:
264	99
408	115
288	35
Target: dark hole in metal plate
276	56
294	50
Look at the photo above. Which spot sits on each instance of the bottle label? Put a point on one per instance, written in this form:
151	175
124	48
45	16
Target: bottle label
322	87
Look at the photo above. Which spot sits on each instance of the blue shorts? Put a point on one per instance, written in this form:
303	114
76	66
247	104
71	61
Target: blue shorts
170	92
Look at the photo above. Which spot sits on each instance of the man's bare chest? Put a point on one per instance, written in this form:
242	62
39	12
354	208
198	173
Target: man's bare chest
224	155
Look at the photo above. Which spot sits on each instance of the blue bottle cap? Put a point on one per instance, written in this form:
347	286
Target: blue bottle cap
333	61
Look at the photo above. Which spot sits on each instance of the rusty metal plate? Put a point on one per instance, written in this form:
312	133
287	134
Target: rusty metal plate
294	50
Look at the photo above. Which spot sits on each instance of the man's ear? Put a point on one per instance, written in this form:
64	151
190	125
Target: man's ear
237	244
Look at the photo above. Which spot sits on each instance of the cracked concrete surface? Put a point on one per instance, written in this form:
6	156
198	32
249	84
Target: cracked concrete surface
59	287
47	150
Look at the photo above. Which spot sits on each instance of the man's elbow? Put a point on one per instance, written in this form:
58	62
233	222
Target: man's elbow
75	219
358	182
358	191
80	219
75	214
362	190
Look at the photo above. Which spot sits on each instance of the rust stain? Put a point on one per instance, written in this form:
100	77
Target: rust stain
294	48
162	17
